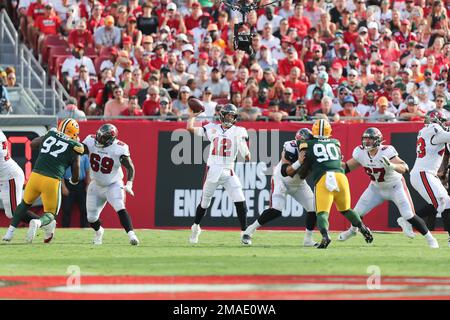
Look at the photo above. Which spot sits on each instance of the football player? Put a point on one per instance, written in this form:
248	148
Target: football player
385	169
286	181
107	155
227	140
323	159
59	149
12	179
430	149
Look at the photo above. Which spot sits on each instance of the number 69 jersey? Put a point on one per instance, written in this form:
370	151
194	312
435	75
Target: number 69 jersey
373	165
225	144
105	162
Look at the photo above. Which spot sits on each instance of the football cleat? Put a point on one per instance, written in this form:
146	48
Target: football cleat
49	231
196	230
35	224
309	242
433	243
246	239
366	234
98	237
324	243
347	234
134	241
406	227
8	236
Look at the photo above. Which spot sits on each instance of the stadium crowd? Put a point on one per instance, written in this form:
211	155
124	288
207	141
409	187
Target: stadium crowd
345	60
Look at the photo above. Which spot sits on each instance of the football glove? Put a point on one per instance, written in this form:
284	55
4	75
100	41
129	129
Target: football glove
129	187
388	165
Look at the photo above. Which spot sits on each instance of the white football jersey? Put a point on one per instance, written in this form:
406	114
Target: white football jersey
225	144
291	154
373	165
105	162
8	167
428	150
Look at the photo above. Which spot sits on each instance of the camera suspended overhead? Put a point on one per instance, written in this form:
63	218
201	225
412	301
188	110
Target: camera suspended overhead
242	40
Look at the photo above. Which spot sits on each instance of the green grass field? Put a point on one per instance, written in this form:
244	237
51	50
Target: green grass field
220	253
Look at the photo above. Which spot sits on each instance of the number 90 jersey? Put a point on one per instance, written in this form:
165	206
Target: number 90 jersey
225	144
322	155
105	162
373	165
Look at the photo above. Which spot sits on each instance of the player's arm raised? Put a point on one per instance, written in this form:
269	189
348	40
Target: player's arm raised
350	165
190	122
129	166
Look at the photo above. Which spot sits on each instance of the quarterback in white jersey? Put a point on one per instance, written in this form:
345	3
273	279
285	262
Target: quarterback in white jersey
227	140
430	149
286	181
385	169
107	155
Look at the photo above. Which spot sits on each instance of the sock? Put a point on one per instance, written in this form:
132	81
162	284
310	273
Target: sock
322	223
30	215
446	220
199	214
353	217
308	233
11	229
428	214
46	219
131	233
241	210
418	224
428	235
125	220
96	225
311	219
19	214
268	215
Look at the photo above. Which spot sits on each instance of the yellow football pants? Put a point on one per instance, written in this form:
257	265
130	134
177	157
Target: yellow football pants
324	198
48	188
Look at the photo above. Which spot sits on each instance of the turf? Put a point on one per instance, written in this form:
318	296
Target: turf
165	252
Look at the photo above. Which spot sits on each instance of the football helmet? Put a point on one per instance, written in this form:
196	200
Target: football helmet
436	116
228	109
106	135
70	128
303	134
373	135
321	129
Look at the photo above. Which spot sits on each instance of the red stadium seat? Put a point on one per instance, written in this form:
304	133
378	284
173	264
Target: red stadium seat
51	41
53	62
58	64
90	51
56	51
98	63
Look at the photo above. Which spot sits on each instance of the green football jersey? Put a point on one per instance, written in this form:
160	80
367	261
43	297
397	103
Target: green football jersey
56	154
322	155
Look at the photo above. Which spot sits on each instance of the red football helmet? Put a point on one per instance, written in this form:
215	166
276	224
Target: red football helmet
106	135
436	116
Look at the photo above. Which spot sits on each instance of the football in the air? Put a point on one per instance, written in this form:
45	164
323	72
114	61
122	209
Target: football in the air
196	105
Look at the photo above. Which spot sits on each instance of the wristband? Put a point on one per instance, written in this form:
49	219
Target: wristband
130	184
71	182
296	165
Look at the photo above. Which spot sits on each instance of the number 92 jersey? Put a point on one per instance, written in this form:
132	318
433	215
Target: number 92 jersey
105	162
373	165
225	144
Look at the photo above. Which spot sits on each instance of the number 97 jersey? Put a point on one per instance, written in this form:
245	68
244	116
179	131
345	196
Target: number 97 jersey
105	162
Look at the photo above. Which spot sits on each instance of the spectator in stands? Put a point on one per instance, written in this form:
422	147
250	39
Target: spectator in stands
71	66
441	102
180	105
173	19
96	19
429	83
382	114
412	112
286	10
107	35
441	89
437	21
248	112
70	22
132	31
11	77
80	35
397	103
125	83
5	104
285	65
179	75
219	87
300	21
47	24
137	83
133	109
116	105
208	103
123	62
349	111
369	104
425	103
269	17
287	102
151	105
71	111
35	10
148	21
236	99
165	110
82	86
72	194
322	83
262	99
325	111
300	111
268	40
273	112
315	103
